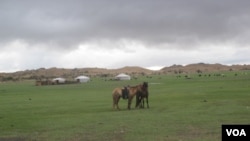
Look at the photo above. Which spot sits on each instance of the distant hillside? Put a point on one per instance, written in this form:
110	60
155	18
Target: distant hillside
201	67
43	73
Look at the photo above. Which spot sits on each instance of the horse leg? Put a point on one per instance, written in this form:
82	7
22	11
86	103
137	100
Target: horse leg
142	104
114	102
129	102
138	101
117	103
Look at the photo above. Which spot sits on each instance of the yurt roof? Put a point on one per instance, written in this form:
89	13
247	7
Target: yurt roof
82	77
122	75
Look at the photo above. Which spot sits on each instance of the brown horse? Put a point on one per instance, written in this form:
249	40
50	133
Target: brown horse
140	99
132	91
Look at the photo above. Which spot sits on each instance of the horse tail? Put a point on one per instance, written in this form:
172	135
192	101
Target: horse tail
116	97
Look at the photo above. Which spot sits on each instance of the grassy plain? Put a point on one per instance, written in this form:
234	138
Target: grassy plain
180	109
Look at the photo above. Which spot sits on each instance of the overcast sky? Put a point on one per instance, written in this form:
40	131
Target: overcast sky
116	33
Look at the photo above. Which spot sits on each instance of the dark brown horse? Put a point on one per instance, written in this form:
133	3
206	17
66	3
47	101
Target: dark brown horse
140	97
132	91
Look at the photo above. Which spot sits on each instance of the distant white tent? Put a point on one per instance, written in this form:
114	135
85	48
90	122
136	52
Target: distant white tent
82	79
122	76
59	80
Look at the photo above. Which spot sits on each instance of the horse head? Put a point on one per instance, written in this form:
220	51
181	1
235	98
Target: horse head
145	84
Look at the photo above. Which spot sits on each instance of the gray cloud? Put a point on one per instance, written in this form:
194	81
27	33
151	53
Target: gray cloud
70	22
117	33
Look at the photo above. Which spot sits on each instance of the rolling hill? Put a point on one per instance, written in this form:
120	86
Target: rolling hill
133	70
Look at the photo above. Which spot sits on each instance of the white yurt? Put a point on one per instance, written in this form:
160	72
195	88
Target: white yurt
122	76
59	80
82	79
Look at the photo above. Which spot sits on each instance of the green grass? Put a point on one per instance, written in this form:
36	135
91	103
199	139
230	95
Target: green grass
180	109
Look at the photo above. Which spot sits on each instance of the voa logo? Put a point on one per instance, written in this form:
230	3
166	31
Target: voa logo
236	132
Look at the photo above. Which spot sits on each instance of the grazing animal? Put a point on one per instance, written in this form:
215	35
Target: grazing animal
131	92
140	97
